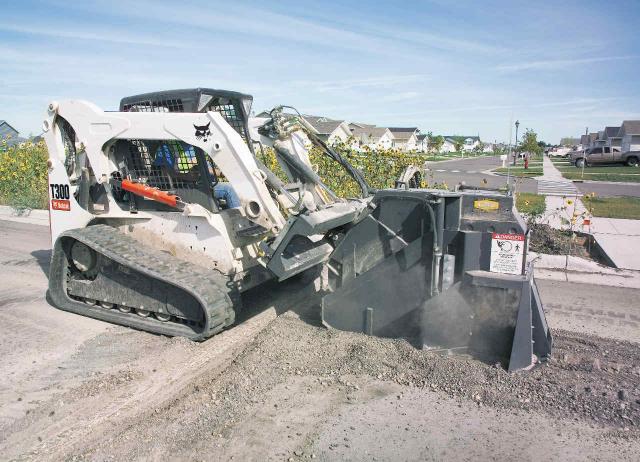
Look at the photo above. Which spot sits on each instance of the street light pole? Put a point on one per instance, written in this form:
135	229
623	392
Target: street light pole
515	154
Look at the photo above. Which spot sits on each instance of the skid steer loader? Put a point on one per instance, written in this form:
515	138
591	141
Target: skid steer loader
162	215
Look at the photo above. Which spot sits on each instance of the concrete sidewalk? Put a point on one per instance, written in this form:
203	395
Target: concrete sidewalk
30	216
619	239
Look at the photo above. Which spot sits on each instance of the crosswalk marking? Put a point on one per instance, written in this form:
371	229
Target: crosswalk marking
557	188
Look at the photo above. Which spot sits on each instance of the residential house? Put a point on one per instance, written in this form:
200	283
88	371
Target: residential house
629	135
449	145
611	137
422	144
371	137
584	142
488	147
468	142
328	130
354	125
8	133
601	140
592	139
405	138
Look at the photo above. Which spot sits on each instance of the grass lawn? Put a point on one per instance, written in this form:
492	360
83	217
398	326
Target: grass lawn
616	174
614	207
531	204
521	172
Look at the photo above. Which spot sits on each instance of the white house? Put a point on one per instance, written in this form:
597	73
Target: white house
328	130
371	137
629	135
405	138
448	145
422	143
470	142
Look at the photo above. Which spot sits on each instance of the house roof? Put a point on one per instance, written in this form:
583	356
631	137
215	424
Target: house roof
7	129
360	125
323	125
455	138
403	133
421	137
408	130
630	127
584	139
610	132
369	134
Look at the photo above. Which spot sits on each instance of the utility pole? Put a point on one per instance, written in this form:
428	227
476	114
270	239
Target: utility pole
584	153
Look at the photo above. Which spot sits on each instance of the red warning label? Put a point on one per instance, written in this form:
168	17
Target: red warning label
61	204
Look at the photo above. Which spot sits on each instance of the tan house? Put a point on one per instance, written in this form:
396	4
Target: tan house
329	130
629	135
371	137
405	138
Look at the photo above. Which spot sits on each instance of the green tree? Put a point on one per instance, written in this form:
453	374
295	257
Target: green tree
438	141
478	148
435	143
530	143
459	146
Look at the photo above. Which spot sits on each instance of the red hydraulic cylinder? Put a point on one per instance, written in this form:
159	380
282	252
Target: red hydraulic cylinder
155	194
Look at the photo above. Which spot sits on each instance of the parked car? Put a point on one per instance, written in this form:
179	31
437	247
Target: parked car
558	152
605	155
571	154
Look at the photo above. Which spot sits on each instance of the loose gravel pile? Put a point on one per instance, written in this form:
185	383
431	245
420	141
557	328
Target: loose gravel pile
589	379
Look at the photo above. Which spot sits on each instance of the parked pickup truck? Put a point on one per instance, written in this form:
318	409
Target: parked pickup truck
605	155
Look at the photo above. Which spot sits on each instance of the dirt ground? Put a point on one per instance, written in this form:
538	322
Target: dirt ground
279	386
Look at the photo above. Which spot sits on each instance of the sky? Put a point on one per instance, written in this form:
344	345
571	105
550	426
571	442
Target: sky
461	67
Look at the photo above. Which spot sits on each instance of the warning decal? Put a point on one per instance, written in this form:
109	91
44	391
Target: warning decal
61	204
507	251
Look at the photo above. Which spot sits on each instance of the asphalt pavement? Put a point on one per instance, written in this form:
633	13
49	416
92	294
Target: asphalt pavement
472	171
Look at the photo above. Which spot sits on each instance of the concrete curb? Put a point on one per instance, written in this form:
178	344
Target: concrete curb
580	270
613	183
525	177
31	216
455	159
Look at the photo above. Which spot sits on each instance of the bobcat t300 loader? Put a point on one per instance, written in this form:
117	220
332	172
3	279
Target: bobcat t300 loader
162	215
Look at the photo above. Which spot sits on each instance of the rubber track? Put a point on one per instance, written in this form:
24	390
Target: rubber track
207	286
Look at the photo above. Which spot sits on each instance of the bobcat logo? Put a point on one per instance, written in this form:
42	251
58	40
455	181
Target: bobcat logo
202	132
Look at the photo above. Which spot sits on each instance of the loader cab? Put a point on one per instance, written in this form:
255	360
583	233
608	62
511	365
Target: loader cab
168	165
171	165
234	107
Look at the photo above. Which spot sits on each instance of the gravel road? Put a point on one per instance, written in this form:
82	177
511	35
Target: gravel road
279	386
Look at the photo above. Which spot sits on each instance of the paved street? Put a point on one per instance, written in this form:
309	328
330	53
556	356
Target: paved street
470	171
